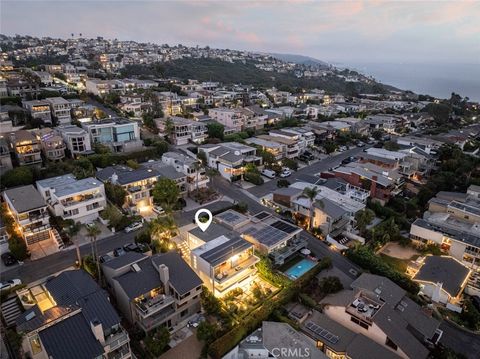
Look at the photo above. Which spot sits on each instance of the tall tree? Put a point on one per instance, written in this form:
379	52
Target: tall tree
166	194
93	231
311	193
72	232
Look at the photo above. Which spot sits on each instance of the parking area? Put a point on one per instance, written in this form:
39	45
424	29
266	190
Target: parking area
188	348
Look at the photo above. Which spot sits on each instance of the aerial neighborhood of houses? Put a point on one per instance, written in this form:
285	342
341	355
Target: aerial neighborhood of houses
344	224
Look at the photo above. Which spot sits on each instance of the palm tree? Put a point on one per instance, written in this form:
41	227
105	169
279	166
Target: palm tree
93	231
72	231
197	166
311	193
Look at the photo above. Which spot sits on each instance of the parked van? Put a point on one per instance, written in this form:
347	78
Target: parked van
268	173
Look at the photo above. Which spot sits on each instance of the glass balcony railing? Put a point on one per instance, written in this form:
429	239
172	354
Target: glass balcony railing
116	340
149	306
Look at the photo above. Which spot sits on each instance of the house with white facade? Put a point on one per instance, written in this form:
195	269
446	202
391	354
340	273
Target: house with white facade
76	139
190	167
60	109
183	130
121	135
69	198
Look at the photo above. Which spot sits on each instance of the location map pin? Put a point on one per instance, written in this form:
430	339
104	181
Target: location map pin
203	225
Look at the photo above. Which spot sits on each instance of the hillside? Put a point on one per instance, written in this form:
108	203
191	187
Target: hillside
246	73
300	59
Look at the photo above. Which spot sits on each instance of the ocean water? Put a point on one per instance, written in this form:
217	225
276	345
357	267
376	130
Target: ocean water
438	80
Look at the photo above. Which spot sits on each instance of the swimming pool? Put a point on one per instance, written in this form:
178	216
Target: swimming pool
300	268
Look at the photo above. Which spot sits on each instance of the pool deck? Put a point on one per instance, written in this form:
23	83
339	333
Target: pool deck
300	268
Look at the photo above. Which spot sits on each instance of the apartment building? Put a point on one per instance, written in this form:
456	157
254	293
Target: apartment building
161	290
79	200
121	135
29	211
190	167
379	309
290	146
275	148
76	139
234	119
182	131
53	146
381	182
452	222
305	135
5	158
230	158
38	110
60	109
97	87
27	148
70	316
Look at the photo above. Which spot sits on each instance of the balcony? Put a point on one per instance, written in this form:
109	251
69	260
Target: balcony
121	353
227	272
293	246
156	319
149	306
81	199
116	340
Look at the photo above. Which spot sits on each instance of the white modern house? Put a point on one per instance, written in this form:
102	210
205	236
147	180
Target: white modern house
60	109
190	167
69	198
76	139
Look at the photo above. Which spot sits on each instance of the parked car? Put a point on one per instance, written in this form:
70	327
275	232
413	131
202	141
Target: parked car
268	173
285	173
360	144
117	252
158	210
133	227
105	258
131	247
9	284
8	259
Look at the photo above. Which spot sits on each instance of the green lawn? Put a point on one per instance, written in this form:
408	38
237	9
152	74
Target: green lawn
397	264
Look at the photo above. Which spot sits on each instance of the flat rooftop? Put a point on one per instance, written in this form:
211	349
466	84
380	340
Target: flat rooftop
25	198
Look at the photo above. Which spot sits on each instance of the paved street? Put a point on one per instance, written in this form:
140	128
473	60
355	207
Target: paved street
317	167
460	341
34	270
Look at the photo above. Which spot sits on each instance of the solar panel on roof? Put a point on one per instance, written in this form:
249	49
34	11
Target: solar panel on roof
323	333
262	215
284	227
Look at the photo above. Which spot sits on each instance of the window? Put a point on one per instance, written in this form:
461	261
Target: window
391	344
183	313
359	322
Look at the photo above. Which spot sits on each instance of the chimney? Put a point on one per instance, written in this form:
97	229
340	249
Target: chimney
97	330
164	277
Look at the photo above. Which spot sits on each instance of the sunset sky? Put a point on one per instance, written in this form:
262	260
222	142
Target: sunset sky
339	31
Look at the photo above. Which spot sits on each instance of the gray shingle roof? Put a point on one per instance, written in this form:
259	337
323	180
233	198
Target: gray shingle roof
213	231
330	208
126	175
71	339
25	198
443	269
76	287
362	347
128	258
182	277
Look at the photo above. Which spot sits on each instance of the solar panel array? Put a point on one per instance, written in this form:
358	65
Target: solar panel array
322	333
284	227
228	217
262	215
266	235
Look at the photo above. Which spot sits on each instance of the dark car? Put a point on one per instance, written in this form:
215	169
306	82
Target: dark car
117	252
131	247
346	161
105	258
8	259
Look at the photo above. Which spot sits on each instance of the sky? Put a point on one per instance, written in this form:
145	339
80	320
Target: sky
333	31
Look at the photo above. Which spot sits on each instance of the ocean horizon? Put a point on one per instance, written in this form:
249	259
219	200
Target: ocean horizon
438	80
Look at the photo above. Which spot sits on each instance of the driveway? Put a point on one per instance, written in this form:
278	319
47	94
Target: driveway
190	348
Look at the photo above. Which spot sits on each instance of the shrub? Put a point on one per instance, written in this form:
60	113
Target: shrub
330	285
157	342
17	246
254	178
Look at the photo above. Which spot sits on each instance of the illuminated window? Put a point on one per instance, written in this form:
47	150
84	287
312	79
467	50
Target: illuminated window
35	345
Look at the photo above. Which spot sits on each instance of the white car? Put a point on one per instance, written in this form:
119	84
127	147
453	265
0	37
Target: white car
285	173
158	210
9	284
133	227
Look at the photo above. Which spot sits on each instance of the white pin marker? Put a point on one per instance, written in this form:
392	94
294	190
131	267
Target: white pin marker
203	225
